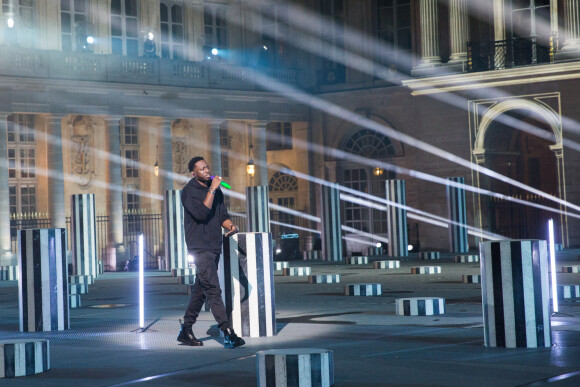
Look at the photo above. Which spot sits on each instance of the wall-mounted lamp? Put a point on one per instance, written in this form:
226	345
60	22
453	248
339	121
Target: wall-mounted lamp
251	167
156	166
378	171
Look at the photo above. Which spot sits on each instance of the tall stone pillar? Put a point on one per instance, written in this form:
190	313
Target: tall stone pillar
5	243
499	20
459	26
115	248
571	33
260	153
457	213
429	33
165	155
215	158
331	230
56	177
397	219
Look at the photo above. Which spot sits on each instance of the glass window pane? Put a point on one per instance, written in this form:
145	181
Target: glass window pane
164	13
116	26
132	29
65	5
65	23
132	48
131	7
116	7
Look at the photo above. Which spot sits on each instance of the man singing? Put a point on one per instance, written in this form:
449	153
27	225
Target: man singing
205	212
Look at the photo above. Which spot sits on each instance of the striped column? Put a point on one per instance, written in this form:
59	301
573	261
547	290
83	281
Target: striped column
357	260
426	270
257	211
471	278
43	280
84	231
312	255
175	247
392	264
24	357
363	290
296	271
324	278
331	235
515	293
456	212
420	306
249	284
429	255
8	273
397	219
295	367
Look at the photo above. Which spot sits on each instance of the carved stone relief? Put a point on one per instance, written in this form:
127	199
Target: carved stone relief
82	151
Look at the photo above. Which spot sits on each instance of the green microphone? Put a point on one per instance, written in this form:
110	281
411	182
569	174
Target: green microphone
224	184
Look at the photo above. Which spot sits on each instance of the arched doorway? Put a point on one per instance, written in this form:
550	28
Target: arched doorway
520	139
526	158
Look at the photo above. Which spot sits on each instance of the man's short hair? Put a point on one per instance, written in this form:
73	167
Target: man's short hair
194	161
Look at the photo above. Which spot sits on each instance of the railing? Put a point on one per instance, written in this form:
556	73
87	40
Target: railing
24	222
505	54
22	62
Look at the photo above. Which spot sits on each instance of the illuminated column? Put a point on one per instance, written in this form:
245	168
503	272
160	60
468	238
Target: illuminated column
515	293
249	284
257	211
456	212
115	250
83	234
5	244
499	20
331	233
175	247
260	153
165	154
55	167
215	159
459	29
43	280
571	26
397	219
429	33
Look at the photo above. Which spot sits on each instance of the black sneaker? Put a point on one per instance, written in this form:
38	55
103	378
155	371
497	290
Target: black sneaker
187	337
231	340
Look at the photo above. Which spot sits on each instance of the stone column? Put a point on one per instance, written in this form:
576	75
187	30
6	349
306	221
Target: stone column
498	20
215	158
457	212
260	153
331	230
5	243
429	33
459	26
571	34
397	219
165	154
56	177
115	249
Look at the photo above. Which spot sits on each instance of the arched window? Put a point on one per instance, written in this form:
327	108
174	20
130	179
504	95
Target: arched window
368	143
283	182
367	179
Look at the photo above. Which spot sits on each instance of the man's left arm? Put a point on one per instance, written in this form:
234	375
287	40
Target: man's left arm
226	221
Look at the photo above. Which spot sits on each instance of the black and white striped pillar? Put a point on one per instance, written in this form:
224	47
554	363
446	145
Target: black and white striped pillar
249	284
397	219
43	280
324	278
420	306
363	290
456	211
515	293
331	235
175	247
429	255
295	367
296	271
471	278
24	357
390	264
257	211
312	255
357	260
84	231
9	273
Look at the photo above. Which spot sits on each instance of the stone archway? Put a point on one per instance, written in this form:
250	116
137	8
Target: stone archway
531	153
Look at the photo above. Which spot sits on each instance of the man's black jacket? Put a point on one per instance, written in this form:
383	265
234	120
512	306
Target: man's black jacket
202	225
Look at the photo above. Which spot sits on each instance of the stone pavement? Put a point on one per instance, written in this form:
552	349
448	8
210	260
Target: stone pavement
372	346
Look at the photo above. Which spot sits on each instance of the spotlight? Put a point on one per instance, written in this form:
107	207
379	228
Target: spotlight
410	247
215	51
90	40
265	48
379	245
278	250
10	22
150	36
251	168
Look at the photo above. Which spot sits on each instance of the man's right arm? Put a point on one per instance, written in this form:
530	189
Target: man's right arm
194	205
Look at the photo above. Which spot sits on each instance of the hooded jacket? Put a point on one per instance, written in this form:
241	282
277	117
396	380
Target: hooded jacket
203	225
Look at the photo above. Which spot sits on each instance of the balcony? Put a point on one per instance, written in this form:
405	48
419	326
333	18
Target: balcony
511	53
20	62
